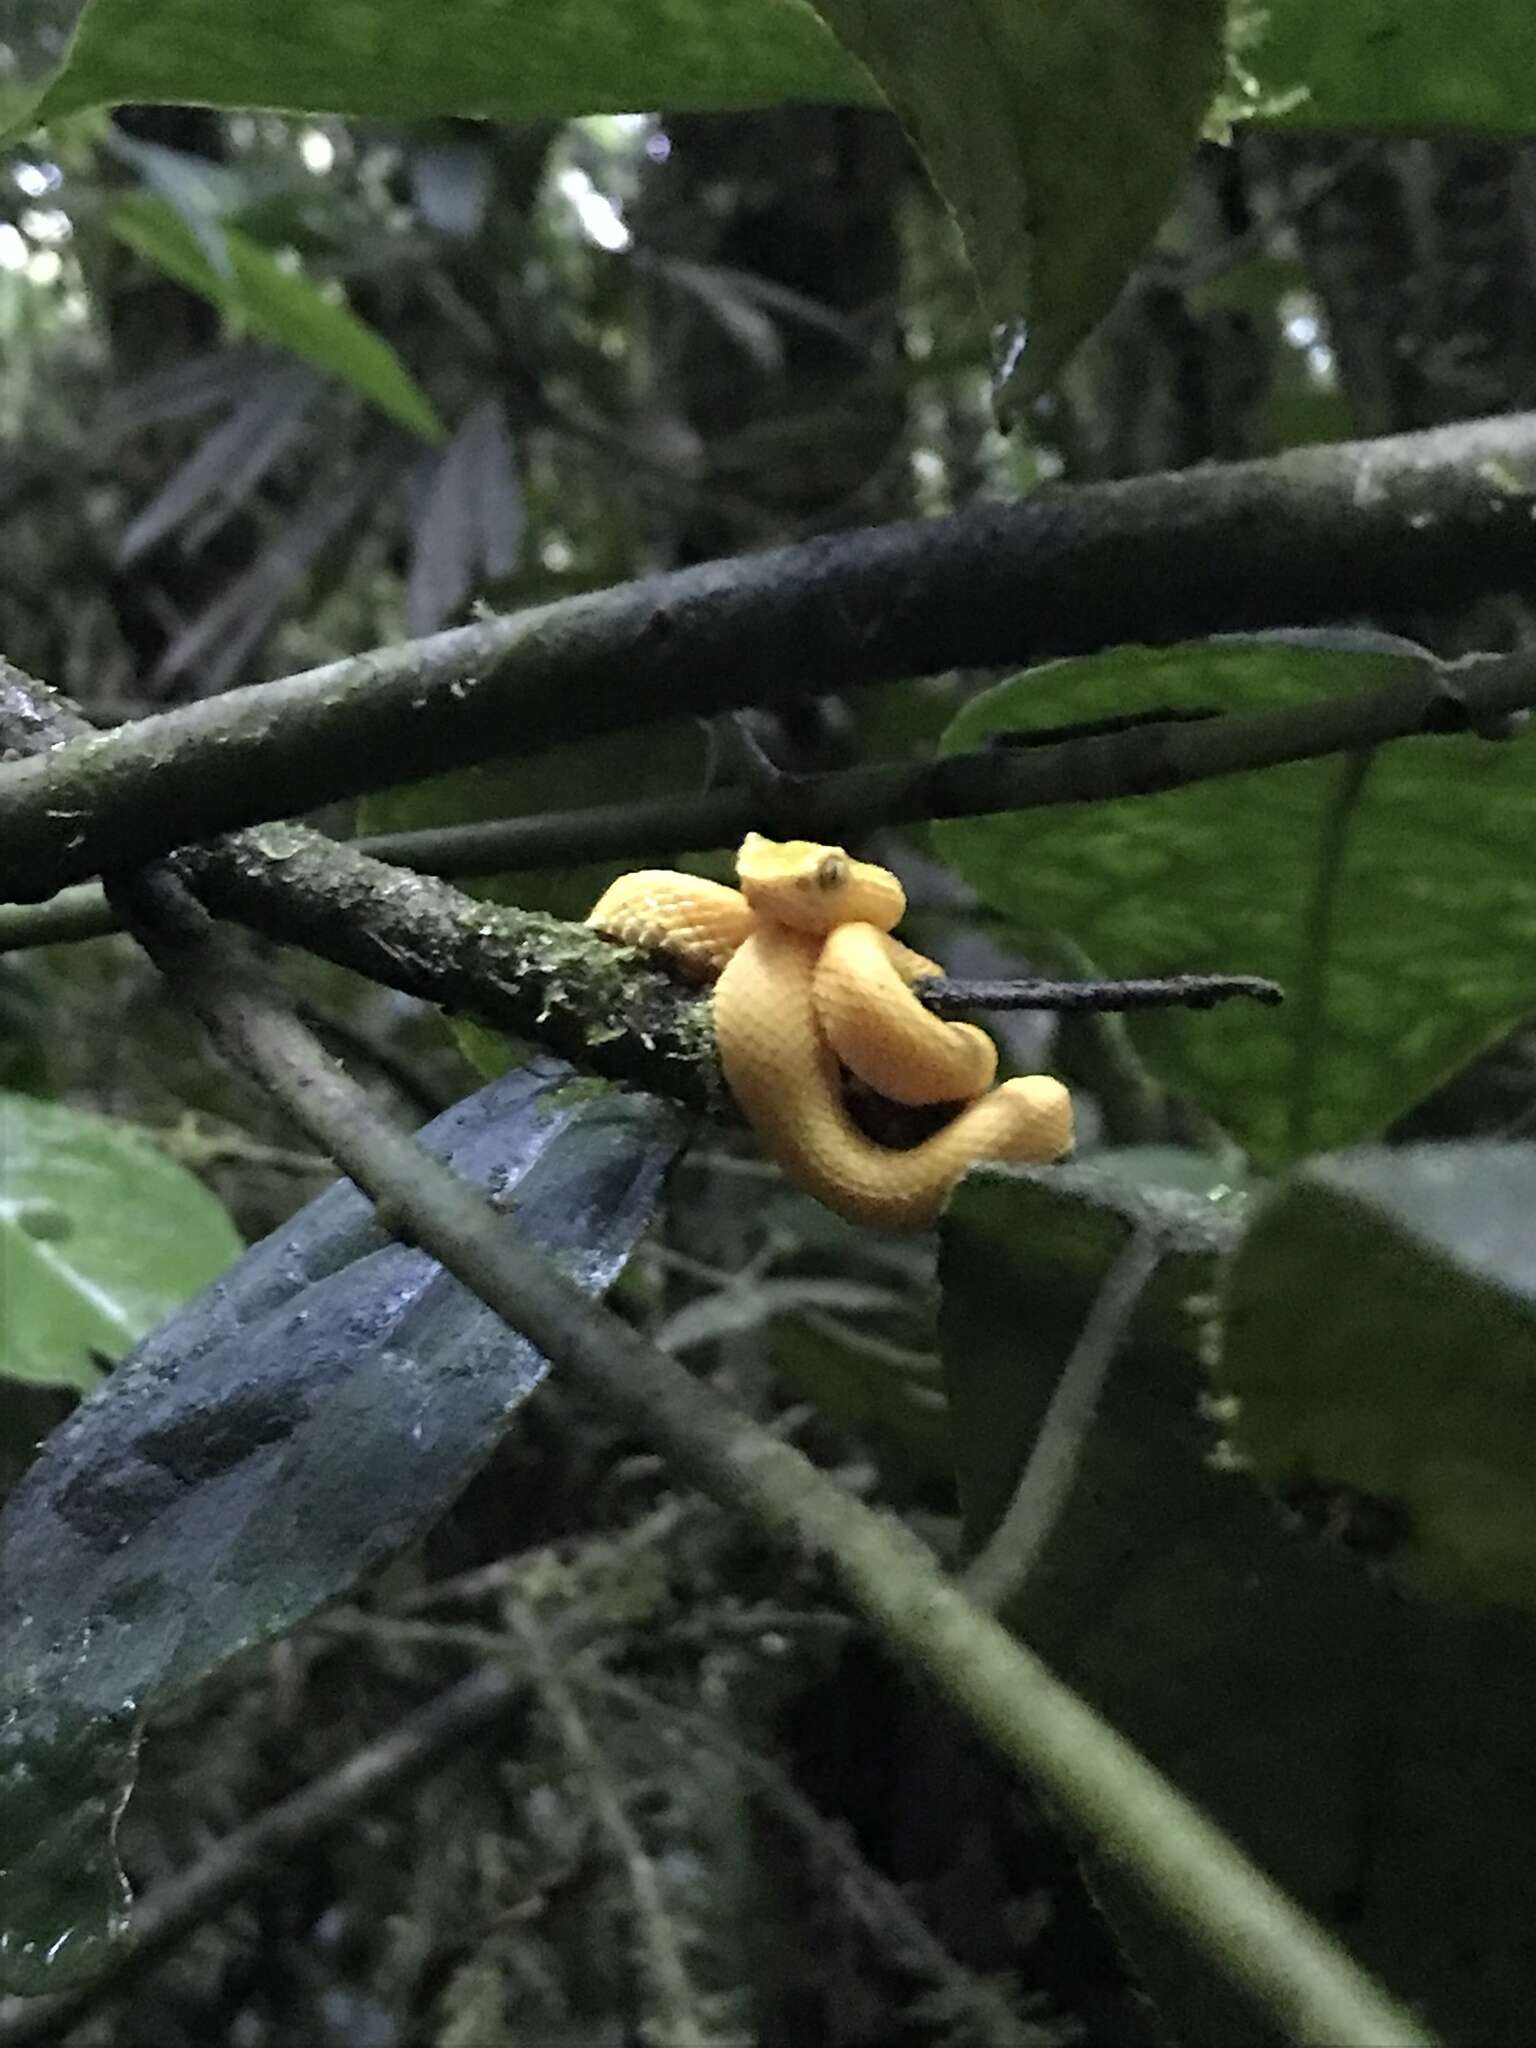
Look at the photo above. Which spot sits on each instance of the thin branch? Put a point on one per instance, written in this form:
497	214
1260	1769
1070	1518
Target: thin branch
1133	759
1243	1925
165	1918
676	2001
880	1907
948	997
1311	536
996	1575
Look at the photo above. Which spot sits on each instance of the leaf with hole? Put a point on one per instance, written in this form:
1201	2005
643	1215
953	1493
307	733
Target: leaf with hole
296	1425
1391	894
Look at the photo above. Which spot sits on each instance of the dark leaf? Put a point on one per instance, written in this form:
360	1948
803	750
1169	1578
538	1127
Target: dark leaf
469	521
1381	1342
1349	1739
451	183
223	635
305	1417
195	385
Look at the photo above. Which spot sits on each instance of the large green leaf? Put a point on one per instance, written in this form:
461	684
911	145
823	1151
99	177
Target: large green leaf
1392	895
262	297
504	59
302	1420
1373	1754
1381	1340
1056	135
1417	66
1413	66
101	1236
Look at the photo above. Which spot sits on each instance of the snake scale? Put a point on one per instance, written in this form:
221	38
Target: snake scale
808	980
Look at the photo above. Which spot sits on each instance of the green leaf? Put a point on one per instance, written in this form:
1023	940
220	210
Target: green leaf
1055	134
1413	67
1372	1754
1381	1341
1392	895
101	1236
396	59
296	1425
258	294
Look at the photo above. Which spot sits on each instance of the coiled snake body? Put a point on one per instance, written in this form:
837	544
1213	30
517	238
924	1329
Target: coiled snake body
808	980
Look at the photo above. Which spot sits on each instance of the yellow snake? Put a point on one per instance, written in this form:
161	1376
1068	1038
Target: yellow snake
808	981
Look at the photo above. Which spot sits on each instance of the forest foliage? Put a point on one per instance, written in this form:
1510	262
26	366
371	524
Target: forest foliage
404	355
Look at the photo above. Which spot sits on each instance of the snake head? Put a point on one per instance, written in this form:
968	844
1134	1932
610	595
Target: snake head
811	887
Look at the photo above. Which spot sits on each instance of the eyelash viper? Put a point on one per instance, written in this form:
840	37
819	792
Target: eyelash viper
807	980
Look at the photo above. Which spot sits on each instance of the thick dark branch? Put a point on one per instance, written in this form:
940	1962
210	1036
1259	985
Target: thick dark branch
1135	758
1363	528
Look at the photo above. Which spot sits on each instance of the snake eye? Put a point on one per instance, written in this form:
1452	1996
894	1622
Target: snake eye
832	873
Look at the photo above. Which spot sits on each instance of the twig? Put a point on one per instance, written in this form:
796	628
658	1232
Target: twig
996	1575
666	1970
880	1906
591	1554
1313	535
162	1920
949	997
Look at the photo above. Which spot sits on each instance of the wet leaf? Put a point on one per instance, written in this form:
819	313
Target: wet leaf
305	1417
1055	134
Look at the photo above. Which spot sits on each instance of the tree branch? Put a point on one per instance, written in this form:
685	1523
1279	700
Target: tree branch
1138	759
612	1010
1375	527
995	1576
1242	1924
